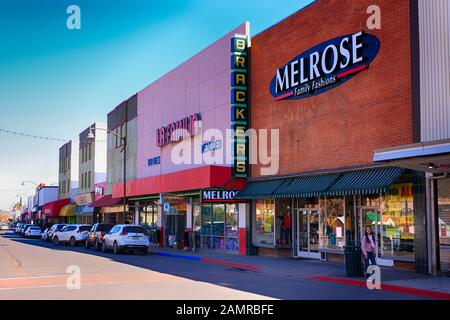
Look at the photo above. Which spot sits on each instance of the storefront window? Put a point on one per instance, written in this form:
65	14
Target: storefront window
206	220
351	223
283	222
397	221
265	222
231	227
444	224
307	203
323	236
219	227
335	223
218	243
149	217
197	219
232	244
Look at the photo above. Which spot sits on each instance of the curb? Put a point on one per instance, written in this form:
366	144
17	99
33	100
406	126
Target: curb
241	266
387	287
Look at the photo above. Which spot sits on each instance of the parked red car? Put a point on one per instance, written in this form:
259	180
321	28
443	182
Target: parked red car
95	236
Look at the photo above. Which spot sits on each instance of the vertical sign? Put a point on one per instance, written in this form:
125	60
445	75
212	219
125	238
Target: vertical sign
239	103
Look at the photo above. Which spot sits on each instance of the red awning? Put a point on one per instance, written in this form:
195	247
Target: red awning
106	201
52	209
192	179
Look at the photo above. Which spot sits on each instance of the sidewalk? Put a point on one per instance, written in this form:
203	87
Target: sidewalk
291	268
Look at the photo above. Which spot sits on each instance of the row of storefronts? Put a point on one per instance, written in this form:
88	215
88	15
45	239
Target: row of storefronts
342	102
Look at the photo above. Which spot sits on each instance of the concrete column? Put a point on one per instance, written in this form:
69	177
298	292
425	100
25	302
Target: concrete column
160	216
189	216
432	216
420	223
136	213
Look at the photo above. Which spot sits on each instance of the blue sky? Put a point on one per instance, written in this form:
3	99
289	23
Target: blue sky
56	82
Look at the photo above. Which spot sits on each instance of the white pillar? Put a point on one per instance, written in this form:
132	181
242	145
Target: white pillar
136	212
160	216
189	216
242	215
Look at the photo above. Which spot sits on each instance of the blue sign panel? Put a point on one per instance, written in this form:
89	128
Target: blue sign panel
154	161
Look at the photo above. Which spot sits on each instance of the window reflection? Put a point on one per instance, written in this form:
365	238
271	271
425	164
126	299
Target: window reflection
335	223
265	222
219	227
397	221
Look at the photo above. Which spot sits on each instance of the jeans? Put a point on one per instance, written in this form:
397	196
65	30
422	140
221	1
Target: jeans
371	258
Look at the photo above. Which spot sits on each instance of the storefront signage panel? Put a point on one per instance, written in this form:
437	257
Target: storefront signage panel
325	66
239	103
154	161
174	199
98	191
173	132
84	199
211	146
219	196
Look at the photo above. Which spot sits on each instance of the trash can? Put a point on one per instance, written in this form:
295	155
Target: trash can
353	261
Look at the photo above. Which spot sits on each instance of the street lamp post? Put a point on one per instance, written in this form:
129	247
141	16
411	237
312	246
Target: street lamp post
91	136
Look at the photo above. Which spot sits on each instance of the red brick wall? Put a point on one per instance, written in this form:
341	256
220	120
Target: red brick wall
342	126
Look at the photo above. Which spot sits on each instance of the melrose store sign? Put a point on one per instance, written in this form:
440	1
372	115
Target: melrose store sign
325	66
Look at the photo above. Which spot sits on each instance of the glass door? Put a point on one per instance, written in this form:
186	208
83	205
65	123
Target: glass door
302	232
371	217
308	222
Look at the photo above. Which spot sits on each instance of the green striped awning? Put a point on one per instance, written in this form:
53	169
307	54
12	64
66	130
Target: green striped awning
260	189
369	181
373	181
306	187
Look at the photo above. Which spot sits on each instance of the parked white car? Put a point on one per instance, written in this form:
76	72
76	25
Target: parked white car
53	229
73	234
33	231
4	227
44	235
126	238
24	228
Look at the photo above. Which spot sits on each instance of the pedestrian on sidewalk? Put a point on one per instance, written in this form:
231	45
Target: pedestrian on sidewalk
186	240
368	245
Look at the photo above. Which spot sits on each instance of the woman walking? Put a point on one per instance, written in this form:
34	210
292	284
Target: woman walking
368	245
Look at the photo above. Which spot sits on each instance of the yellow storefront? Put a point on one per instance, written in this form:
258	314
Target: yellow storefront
68	213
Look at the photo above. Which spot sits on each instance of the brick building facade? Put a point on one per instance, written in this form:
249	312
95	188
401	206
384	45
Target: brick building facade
342	127
329	189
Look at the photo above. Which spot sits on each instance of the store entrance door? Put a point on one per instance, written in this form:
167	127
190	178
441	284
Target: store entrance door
175	227
371	217
308	233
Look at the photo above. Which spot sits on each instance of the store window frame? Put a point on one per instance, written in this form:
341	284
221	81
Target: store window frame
210	237
275	227
359	202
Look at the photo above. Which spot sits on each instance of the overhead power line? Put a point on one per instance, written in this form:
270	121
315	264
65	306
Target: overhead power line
27	135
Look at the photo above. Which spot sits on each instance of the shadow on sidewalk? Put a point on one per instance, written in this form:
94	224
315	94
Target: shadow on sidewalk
280	278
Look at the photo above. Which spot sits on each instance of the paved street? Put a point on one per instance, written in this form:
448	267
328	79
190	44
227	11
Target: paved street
35	270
